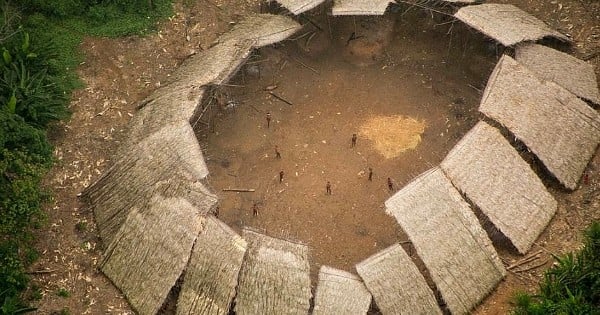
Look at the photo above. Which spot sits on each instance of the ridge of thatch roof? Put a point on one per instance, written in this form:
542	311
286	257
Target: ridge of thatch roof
396	283
573	74
149	252
212	273
506	23
261	30
485	167
562	130
447	236
170	162
340	292
298	6
463	1
275	277
360	7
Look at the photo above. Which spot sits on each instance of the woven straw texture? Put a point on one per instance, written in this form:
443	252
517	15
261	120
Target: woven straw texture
506	23
359	7
485	167
447	236
340	292
556	125
396	284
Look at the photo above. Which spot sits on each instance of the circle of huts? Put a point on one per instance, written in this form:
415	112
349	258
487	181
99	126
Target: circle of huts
153	211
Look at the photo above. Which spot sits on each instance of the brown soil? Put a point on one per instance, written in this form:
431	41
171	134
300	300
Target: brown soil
407	68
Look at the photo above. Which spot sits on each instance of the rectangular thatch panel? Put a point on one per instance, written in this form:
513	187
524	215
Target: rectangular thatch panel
340	292
261	30
396	283
447	236
359	7
169	161
485	167
275	277
212	273
556	125
549	64
506	23
150	251
298	6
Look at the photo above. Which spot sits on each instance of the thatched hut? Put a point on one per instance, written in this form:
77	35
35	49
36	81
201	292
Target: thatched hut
298	6
340	292
396	283
506	23
261	29
212	273
556	125
275	277
169	162
549	64
149	252
360	7
490	172
447	236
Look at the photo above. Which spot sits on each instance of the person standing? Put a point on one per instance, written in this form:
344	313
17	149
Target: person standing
370	174
268	119
328	188
281	176
255	209
354	140
277	154
390	184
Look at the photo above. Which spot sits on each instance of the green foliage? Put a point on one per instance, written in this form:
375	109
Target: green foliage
62	292
570	287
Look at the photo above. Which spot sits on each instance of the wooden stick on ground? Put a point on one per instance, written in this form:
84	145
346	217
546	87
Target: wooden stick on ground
239	189
280	98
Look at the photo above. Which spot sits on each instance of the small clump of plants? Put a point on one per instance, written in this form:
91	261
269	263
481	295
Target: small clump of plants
571	286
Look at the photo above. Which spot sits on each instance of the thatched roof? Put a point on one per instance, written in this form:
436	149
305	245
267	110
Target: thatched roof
463	1
485	167
556	125
298	6
360	7
211	276
447	236
275	277
573	74
261	30
396	283
151	249
170	162
340	292
506	23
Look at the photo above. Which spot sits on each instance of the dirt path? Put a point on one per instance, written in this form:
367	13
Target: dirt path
429	76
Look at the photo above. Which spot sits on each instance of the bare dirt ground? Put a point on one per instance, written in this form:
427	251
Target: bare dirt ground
423	71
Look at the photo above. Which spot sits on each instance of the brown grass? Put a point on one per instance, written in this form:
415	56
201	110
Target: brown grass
393	135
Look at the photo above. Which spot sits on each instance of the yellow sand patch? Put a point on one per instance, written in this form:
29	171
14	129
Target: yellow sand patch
393	135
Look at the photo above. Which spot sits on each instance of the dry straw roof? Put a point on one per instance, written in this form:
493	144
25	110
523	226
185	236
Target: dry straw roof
275	277
556	125
298	6
573	74
506	23
360	7
170	162
340	292
211	276
396	284
261	30
447	236
485	167
151	249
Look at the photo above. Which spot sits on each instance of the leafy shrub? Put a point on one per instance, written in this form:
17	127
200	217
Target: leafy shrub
572	286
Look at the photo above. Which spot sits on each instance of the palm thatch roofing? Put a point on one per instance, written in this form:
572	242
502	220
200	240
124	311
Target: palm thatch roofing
169	162
506	23
463	1
573	74
211	275
150	250
360	7
447	236
485	167
298	6
340	292
556	125
275	277
396	283
261	30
